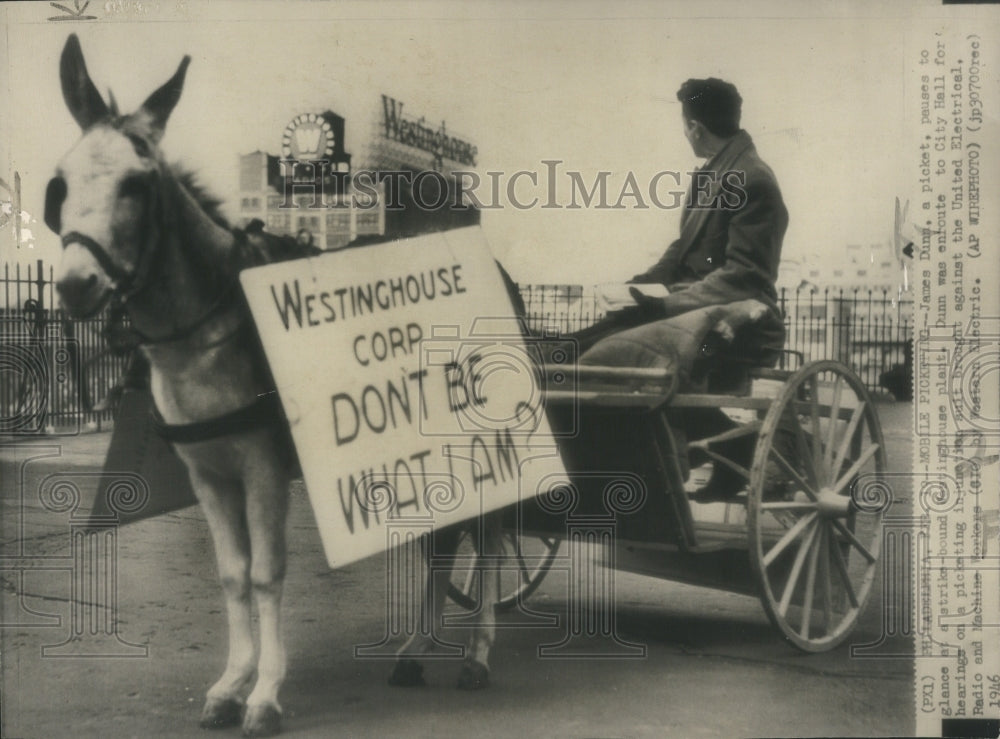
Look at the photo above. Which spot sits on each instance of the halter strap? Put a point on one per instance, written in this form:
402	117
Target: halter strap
221	304
128	284
123	278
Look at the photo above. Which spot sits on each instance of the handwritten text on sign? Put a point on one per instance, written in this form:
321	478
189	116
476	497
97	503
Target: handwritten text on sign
406	383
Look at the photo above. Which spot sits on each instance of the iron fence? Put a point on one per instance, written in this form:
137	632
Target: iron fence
868	330
56	372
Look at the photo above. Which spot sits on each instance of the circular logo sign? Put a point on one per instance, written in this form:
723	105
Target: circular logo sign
307	137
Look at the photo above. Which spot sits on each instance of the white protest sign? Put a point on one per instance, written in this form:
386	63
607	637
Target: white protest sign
406	384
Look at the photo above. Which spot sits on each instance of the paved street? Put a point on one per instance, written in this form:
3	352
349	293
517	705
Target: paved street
714	665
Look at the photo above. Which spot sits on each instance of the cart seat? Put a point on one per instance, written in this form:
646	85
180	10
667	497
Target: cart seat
693	347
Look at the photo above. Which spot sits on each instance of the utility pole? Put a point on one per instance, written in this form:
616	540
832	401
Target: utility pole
16	206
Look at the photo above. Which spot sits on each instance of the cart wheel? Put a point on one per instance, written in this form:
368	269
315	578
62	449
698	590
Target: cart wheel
526	561
815	505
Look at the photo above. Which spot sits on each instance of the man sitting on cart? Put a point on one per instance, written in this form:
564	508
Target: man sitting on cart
732	227
729	248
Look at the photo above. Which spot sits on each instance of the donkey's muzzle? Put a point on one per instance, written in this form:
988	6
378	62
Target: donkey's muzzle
81	296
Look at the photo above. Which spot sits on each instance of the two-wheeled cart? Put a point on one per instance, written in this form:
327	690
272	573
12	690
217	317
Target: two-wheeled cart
803	534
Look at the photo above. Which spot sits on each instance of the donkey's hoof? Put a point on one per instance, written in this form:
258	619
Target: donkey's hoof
473	676
263	720
221	713
408	673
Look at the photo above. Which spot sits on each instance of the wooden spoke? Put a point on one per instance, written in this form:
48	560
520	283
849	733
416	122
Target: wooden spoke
838	560
746	429
788	538
470	577
522	566
788	505
534	556
862	460
836	438
807	601
824	577
721	459
817	433
787	467
805	455
793	576
845	442
831	435
853	540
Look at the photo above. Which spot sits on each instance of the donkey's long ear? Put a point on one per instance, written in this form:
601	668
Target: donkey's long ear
82	98
158	106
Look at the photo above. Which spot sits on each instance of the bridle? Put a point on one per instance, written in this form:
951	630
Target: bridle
128	284
265	410
226	300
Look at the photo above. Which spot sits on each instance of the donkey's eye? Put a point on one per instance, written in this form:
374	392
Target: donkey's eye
133	187
55	194
140	144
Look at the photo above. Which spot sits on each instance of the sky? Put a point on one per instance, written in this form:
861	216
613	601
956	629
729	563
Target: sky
592	85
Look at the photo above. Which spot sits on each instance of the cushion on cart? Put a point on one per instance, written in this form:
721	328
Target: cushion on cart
675	343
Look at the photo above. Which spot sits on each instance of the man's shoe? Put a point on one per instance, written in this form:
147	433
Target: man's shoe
724	484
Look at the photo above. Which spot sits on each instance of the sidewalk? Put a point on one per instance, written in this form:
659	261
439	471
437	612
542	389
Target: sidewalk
85	450
168	603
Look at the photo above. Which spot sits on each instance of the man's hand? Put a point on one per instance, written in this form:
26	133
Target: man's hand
651	306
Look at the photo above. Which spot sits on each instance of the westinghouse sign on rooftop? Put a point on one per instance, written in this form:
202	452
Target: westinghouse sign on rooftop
416	133
406	383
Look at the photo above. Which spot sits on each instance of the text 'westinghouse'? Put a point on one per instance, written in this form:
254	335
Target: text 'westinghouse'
300	308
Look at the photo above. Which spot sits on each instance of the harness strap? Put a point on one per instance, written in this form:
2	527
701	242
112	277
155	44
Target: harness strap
264	411
225	301
122	277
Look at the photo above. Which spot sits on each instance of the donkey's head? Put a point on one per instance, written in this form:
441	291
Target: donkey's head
104	198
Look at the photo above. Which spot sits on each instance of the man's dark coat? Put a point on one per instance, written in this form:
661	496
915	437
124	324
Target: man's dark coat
729	250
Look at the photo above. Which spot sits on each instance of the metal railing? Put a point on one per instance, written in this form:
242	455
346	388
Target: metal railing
54	372
868	330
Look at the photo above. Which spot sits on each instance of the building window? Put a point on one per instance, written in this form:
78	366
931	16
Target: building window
368	223
307	199
339	222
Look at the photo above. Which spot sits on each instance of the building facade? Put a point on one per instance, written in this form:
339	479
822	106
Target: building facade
403	181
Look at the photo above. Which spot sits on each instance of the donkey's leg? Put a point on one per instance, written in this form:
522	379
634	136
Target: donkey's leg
222	502
443	543
475	670
266	487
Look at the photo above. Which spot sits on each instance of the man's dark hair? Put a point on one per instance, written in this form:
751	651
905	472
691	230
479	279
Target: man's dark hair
712	102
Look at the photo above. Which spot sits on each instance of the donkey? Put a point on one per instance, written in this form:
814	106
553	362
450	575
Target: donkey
137	229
